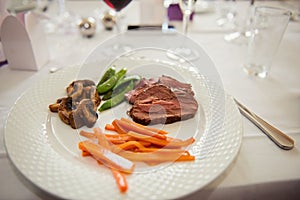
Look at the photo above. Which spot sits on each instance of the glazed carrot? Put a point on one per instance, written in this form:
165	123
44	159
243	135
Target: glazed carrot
119	138
110	127
113	138
88	134
107	157
102	141
186	158
118	128
81	146
85	153
180	158
120	180
151	157
141	148
164	143
146	127
133	145
139	129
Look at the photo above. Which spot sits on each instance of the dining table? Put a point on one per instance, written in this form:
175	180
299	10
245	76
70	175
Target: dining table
261	170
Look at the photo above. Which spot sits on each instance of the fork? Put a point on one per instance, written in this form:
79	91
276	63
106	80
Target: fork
278	137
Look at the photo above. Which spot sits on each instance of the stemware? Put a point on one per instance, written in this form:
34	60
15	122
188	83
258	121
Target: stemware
117	6
187	7
64	22
227	12
183	51
243	27
165	24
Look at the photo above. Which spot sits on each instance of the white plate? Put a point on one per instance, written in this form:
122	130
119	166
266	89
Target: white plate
45	150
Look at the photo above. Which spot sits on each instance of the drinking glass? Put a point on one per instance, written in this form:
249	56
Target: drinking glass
268	28
64	22
243	22
117	6
227	12
187	7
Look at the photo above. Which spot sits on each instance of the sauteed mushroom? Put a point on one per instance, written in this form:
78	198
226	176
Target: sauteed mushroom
80	106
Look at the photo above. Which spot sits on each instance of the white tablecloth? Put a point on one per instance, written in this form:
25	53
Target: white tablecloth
261	169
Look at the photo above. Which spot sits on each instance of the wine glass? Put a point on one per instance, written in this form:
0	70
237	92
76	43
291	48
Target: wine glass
165	25
64	22
117	6
227	12
243	28
187	7
183	51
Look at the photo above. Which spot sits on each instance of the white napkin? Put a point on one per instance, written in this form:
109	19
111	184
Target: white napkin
24	46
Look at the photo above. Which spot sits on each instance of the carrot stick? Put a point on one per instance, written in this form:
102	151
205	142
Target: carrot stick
141	130
81	146
141	148
120	180
110	127
107	157
164	143
146	127
118	128
85	153
88	134
102	141
156	157
119	138
186	158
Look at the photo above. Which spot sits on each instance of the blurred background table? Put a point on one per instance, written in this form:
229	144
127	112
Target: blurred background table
261	170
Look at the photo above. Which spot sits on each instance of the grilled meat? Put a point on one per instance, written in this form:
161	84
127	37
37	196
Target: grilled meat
165	101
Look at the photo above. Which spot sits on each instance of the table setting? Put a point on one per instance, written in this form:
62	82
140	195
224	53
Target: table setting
232	67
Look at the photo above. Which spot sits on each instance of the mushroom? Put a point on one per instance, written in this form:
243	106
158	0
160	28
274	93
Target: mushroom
79	108
65	108
76	88
84	114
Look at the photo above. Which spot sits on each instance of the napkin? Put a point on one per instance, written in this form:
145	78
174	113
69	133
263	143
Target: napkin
24	45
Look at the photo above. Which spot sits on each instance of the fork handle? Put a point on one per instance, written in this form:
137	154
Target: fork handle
278	137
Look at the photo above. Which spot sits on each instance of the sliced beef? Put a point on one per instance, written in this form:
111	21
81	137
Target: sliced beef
175	84
141	85
157	103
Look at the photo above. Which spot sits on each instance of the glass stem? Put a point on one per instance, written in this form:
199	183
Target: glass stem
61	7
118	22
186	18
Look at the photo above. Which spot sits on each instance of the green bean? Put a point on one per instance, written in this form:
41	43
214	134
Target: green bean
111	82
126	81
116	99
107	95
121	84
107	75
